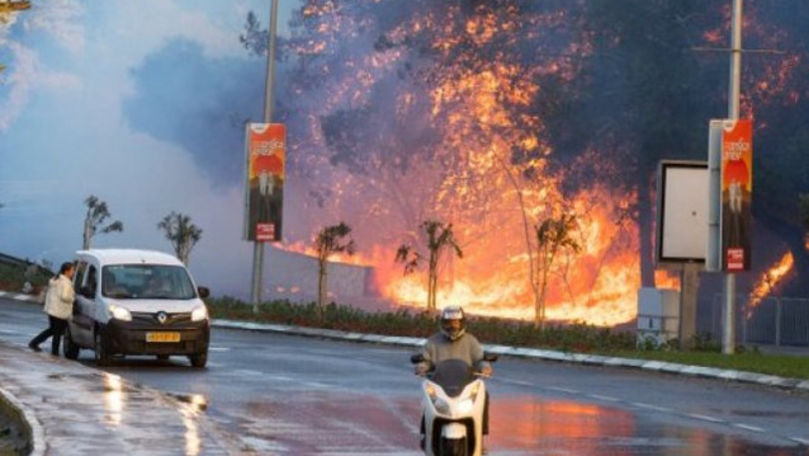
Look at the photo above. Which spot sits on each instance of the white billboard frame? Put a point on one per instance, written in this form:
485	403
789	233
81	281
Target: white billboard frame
682	216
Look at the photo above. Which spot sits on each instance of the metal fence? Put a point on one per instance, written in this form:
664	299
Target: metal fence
772	321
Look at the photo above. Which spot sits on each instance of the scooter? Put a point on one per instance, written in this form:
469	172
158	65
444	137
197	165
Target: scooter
453	403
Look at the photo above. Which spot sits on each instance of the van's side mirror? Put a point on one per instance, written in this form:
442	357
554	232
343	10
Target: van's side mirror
204	292
87	292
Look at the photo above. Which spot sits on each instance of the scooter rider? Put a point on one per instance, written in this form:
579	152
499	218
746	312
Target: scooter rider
453	342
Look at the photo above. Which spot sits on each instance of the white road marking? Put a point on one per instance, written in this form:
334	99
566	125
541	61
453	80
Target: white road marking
563	390
218	349
604	398
248	372
652	407
706	418
800	440
748	427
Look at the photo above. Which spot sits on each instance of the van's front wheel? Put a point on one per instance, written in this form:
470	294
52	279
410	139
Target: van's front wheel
102	355
199	360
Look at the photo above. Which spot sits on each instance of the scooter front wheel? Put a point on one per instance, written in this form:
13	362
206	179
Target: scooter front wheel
453	447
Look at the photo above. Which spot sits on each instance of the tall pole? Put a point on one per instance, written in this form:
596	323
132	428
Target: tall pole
258	247
729	339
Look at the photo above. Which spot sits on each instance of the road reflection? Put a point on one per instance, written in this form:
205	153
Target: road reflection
190	408
114	399
310	423
555	426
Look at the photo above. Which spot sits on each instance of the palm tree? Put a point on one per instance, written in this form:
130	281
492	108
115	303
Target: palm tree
552	235
97	213
439	238
330	240
182	234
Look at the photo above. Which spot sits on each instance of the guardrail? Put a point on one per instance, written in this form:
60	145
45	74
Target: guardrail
771	321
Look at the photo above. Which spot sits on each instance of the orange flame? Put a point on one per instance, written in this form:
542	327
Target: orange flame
667	279
770	280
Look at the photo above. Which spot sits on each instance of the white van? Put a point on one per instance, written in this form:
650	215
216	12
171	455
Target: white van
136	302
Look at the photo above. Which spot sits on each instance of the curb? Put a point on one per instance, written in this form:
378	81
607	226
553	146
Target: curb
794	384
19	296
31	426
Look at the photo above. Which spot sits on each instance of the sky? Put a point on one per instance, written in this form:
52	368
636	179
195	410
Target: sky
139	103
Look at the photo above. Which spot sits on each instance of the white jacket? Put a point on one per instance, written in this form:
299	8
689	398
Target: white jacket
59	297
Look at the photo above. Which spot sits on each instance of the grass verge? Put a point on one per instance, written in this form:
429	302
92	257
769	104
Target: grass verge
780	365
581	338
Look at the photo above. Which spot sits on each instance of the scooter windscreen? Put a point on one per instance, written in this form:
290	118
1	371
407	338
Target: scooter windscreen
452	376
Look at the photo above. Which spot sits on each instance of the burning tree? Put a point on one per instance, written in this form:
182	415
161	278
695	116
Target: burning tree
552	236
182	234
97	213
486	112
330	240
439	239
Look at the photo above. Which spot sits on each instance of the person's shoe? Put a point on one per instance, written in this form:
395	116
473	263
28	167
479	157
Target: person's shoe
421	442
34	347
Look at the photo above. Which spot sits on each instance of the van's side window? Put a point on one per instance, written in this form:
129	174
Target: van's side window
79	276
92	279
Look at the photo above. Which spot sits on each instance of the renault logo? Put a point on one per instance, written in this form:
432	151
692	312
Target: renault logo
162	317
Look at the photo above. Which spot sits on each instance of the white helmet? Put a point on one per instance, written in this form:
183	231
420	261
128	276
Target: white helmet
453	313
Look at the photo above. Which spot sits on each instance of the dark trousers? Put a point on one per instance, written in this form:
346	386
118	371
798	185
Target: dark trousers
55	330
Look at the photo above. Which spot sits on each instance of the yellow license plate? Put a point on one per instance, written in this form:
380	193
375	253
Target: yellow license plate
162	337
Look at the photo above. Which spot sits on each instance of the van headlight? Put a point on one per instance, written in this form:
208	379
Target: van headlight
119	313
199	314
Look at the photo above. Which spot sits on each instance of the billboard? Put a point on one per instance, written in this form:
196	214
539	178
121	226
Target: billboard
682	211
265	151
736	184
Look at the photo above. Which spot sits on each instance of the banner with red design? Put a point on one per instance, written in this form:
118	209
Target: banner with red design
737	194
265	149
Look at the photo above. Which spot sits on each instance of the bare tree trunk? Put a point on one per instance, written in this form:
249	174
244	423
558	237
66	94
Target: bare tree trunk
321	287
432	282
183	252
87	235
531	269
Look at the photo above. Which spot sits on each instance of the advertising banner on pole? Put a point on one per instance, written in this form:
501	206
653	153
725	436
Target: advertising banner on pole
737	194
265	151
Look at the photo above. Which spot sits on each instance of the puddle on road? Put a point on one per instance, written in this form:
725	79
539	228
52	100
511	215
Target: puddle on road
314	422
523	423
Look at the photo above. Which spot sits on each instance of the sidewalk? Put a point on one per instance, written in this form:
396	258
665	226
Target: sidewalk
72	409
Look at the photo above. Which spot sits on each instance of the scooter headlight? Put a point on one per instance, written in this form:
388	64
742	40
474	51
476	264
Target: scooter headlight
465	407
441	406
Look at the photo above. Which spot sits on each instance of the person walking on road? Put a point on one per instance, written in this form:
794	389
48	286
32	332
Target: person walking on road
59	306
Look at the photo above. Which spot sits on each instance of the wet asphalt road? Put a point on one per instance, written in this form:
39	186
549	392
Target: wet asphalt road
291	395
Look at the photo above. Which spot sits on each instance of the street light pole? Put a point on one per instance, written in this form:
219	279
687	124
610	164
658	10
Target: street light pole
258	247
729	339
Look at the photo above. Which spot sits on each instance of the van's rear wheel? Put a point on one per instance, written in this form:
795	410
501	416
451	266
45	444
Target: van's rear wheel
71	349
199	360
102	354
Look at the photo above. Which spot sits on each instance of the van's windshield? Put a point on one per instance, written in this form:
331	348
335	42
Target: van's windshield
146	281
